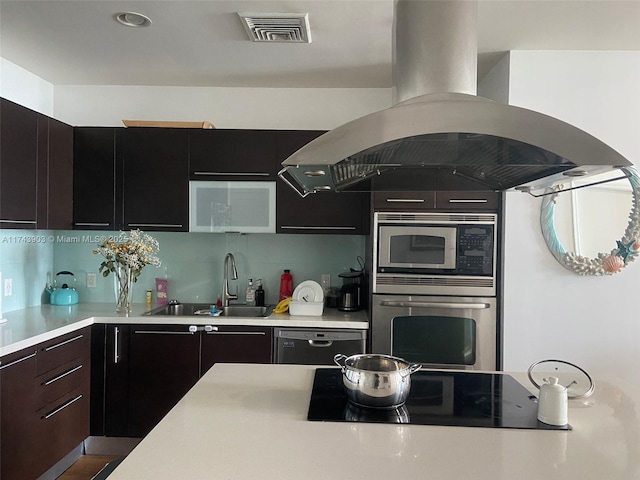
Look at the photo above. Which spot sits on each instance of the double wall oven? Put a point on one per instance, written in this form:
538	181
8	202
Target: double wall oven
434	288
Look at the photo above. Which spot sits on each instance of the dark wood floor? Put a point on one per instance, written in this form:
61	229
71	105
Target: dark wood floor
86	467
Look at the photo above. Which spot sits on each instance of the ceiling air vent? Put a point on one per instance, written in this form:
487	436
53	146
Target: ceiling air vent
277	27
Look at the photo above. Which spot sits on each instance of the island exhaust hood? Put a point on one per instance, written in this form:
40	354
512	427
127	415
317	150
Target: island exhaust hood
440	135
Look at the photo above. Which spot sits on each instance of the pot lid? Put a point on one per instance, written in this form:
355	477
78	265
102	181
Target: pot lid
577	381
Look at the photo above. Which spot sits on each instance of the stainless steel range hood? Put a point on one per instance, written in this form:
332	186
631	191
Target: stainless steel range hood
439	134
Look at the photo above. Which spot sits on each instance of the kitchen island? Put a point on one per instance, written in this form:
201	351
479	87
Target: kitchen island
246	422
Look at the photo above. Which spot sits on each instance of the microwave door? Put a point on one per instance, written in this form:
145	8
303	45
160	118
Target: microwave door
406	247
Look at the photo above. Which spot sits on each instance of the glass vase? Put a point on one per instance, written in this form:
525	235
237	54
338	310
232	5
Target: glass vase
123	282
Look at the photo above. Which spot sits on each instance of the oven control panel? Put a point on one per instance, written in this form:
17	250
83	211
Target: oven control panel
475	250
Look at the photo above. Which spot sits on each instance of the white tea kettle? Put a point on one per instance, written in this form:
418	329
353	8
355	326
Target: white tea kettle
65	294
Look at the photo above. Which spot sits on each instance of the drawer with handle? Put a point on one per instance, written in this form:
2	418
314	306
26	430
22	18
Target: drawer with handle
57	383
404	200
469	200
63	349
64	424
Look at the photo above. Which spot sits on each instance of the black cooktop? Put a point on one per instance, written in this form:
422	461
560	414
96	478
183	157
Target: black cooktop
436	398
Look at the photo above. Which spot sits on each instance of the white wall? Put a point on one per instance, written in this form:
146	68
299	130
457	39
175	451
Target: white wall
551	312
25	88
263	108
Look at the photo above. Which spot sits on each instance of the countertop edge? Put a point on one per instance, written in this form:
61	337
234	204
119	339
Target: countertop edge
358	321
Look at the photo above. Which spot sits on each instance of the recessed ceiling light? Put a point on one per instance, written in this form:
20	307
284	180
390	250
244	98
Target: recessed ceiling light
132	19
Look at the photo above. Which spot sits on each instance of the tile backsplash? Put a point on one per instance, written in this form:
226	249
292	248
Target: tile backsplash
191	262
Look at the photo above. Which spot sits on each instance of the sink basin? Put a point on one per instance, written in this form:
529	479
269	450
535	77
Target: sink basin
191	309
246	311
182	309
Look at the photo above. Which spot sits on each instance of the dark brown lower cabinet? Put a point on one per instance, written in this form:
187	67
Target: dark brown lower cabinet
18	423
163	366
142	371
44	404
236	344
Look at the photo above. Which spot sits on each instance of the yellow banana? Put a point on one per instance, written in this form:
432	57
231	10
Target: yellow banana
283	306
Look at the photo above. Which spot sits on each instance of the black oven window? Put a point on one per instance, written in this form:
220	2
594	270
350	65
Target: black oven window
416	249
434	339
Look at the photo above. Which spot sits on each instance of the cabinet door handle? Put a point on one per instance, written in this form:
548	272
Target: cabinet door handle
62	375
48	349
91	224
233	174
22	359
293	227
160	332
468	200
116	335
235	333
452	306
159	225
18	221
61	407
405	200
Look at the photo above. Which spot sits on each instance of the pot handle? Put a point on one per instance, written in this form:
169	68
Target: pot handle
413	368
338	358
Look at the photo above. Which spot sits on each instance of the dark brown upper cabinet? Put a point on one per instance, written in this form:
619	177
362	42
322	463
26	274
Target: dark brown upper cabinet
96	204
232	155
155	179
323	212
36	169
18	166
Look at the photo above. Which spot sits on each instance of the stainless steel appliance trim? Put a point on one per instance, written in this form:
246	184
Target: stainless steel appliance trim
62	375
20	360
61	407
63	343
410	304
434	217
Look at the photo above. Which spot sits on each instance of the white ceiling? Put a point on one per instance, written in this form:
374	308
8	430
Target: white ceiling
203	43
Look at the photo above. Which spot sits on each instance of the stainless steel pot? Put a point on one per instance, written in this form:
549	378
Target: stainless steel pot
376	381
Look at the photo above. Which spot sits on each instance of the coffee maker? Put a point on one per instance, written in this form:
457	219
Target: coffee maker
351	297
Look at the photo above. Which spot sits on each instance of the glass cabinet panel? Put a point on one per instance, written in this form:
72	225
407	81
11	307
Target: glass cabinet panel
245	207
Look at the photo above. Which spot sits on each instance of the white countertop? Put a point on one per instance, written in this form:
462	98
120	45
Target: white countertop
244	422
33	325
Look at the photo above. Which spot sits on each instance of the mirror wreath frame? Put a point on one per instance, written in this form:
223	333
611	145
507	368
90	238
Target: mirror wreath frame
610	263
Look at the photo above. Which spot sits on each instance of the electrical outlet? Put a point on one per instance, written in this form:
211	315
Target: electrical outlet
91	280
8	287
325	281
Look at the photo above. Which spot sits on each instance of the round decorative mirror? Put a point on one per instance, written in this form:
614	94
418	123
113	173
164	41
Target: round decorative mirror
580	224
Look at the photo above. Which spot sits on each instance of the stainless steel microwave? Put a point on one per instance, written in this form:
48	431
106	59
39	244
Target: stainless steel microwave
434	253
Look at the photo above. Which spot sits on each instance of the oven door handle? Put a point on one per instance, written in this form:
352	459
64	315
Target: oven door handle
396	303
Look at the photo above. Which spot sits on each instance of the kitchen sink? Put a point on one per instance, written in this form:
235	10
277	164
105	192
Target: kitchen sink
191	309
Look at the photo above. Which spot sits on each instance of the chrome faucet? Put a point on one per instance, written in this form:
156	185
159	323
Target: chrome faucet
226	296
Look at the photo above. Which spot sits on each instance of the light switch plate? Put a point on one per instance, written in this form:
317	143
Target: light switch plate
8	287
325	281
91	280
